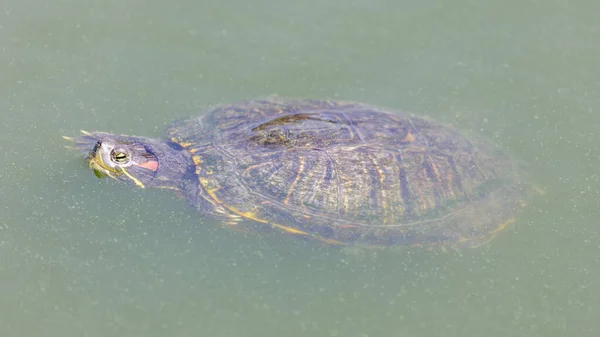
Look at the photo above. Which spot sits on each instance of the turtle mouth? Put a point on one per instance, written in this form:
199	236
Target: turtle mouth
96	163
94	158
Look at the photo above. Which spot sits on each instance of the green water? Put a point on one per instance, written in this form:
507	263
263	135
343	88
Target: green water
86	257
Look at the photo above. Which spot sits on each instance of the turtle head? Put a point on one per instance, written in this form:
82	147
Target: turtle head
144	162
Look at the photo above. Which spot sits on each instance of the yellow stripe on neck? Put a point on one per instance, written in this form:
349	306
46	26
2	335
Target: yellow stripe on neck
137	182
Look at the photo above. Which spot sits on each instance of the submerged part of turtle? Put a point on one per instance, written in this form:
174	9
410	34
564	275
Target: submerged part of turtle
340	172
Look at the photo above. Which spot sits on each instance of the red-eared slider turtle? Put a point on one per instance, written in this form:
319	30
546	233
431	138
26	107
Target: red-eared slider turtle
340	172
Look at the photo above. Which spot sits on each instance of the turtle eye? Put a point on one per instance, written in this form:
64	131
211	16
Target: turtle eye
118	156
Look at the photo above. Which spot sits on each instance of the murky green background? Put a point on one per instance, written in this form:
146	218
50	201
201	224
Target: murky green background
84	257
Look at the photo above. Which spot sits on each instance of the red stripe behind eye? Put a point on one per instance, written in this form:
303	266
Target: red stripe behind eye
150	165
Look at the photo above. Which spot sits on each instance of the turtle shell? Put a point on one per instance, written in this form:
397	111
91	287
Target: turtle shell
347	173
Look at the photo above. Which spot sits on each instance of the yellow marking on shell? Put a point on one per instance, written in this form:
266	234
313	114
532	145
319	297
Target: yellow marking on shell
434	168
210	190
347	183
450	183
365	172
309	175
228	124
251	167
247	215
319	183
387	215
400	210
185	144
253	216
290	229
430	201
194	150
422	202
381	181
197	160
504	225
426	194
351	132
419	184
170	188
309	178
137	182
300	170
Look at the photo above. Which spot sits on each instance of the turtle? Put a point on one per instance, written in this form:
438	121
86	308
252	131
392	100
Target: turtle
339	172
